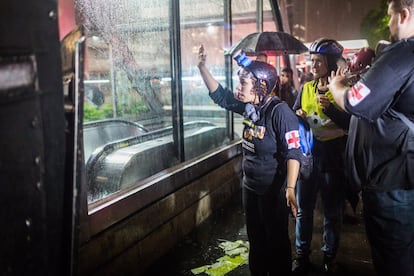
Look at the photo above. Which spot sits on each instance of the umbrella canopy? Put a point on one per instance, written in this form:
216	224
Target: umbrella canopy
274	43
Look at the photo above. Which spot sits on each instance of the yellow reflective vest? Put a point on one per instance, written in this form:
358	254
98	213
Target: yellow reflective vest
323	128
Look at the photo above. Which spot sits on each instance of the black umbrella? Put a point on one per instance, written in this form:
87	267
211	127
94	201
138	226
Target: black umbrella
276	43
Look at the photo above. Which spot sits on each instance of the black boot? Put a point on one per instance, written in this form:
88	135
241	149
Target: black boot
300	265
329	266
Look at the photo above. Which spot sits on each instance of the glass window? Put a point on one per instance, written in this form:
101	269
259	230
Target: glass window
127	127
128	107
128	130
202	23
244	22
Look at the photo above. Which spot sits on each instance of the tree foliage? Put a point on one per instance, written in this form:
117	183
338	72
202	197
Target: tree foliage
374	26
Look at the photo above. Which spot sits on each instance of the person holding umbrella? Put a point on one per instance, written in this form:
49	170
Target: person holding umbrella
271	157
329	125
272	43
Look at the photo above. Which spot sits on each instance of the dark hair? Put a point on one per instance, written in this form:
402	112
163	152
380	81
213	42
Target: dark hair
287	70
398	5
262	54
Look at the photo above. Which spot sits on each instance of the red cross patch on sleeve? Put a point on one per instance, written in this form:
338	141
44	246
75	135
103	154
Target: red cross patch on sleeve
292	139
357	93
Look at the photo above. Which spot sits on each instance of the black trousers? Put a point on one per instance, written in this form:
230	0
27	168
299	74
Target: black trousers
389	222
267	230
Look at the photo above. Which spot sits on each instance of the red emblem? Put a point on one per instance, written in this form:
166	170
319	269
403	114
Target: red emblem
292	139
357	93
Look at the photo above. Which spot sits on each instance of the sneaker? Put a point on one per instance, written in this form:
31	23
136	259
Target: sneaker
329	266
300	265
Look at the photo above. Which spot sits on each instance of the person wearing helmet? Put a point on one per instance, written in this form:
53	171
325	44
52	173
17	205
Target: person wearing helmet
380	148
271	158
329	124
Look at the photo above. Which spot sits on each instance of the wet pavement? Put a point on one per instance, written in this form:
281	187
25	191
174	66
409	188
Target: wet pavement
201	247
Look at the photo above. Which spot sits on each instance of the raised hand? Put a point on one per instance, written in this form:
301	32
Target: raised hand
201	55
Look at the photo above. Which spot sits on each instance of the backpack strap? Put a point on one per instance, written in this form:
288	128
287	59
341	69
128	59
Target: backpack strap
275	101
305	132
404	118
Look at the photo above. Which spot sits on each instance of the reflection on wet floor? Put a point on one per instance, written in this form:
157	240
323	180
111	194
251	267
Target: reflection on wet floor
201	247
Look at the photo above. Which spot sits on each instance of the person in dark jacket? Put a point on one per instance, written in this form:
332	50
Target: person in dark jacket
271	161
380	148
287	91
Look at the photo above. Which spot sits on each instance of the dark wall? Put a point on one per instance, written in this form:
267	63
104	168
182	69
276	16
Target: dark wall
341	20
32	141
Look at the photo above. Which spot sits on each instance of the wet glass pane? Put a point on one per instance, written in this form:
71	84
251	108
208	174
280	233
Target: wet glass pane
244	23
127	122
202	23
128	104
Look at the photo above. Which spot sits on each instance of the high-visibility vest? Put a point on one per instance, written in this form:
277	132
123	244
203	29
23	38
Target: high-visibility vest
324	129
